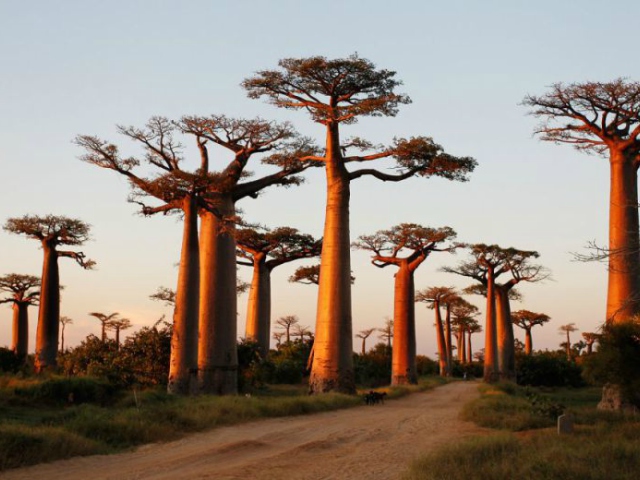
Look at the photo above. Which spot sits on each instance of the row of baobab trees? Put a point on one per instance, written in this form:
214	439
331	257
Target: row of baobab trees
602	117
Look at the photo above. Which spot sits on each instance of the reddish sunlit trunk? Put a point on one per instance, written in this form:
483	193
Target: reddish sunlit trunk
49	312
403	359
217	349
258	326
447	339
623	296
490	339
364	340
528	342
504	334
20	337
332	368
183	364
462	351
442	348
568	347
469	351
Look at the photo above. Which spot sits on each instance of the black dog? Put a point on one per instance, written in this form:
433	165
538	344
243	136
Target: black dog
373	398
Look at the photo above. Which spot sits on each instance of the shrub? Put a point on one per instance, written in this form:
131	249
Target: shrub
373	369
550	369
75	391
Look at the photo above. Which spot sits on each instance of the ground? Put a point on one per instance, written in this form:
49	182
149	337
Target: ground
370	442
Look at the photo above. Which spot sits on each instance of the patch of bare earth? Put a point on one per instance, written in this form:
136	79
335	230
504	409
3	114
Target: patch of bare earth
369	442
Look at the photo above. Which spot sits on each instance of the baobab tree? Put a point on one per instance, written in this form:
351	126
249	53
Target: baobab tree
266	251
472	327
301	331
104	320
604	118
590	338
487	263
526	320
277	336
364	334
567	330
405	246
435	297
287	322
52	232
243	139
23	292
337	92
118	325
205	300
64	321
463	314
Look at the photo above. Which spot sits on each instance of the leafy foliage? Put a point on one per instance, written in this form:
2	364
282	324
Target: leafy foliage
550	369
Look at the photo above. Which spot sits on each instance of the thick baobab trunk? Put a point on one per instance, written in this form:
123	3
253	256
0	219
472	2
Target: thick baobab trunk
490	339
528	342
364	342
333	363
258	326
469	351
403	358
504	334
20	337
568	350
442	348
447	339
217	349
183	364
623	296
49	312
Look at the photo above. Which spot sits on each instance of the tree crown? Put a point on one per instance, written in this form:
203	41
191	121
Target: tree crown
591	116
21	288
527	319
281	245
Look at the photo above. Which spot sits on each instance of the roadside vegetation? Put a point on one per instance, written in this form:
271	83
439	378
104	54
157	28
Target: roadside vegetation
525	443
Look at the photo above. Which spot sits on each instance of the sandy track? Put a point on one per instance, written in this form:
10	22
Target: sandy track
372	443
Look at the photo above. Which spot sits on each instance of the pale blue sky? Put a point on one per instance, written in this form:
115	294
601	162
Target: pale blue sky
81	67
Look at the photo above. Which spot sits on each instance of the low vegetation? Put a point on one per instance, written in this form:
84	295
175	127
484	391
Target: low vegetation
527	446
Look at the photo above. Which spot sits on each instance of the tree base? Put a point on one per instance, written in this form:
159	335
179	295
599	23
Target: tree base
183	384
403	380
218	381
343	384
614	399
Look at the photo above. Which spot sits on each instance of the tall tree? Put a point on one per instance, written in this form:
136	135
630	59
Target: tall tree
435	297
463	314
337	92
526	320
604	118
23	291
405	246
473	327
64	321
266	251
364	334
487	263
52	232
244	140
567	330
104	320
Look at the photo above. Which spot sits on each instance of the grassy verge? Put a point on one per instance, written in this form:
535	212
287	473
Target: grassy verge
39	424
603	445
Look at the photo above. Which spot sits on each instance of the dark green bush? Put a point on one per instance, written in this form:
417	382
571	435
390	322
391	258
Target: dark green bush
70	391
549	369
373	369
9	361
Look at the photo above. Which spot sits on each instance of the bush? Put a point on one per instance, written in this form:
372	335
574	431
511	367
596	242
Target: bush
373	369
9	361
69	391
549	369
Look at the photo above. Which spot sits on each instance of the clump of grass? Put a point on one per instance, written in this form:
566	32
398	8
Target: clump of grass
588	454
24	445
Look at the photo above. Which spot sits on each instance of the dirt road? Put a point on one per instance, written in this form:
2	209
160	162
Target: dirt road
368	442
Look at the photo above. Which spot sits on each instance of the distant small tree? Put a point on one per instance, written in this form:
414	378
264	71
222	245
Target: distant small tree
23	292
118	325
104	320
567	330
64	321
386	332
277	336
364	334
526	320
590	338
435	297
52	232
287	322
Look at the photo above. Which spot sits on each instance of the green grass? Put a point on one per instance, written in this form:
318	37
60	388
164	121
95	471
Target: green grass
37	423
603	445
